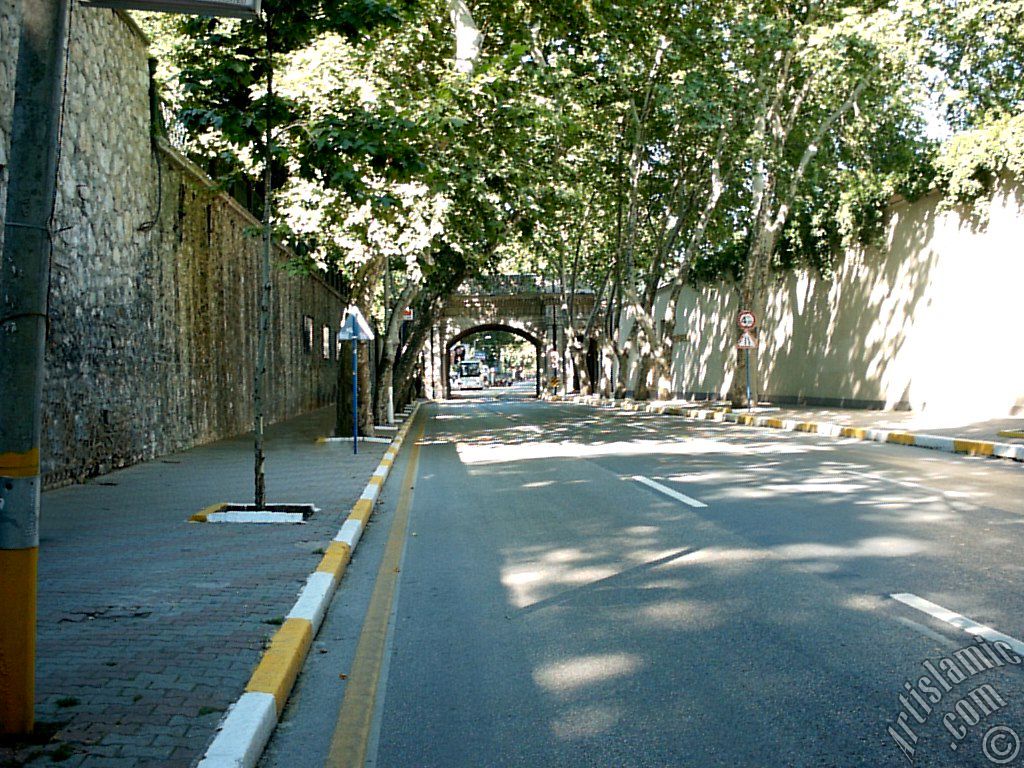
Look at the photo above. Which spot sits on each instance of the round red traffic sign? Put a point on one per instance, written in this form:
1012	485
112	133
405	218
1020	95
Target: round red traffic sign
747	320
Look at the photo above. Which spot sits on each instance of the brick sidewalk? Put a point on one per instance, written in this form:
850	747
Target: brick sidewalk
149	626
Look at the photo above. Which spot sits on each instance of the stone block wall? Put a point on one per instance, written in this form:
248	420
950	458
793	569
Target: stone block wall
155	281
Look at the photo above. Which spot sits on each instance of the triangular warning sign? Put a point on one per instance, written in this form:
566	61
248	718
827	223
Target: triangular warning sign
747	341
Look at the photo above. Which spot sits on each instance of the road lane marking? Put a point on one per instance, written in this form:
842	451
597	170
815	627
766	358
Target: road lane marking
669	492
355	718
954	619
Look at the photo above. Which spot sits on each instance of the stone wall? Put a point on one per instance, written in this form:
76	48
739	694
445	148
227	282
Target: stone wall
154	283
929	322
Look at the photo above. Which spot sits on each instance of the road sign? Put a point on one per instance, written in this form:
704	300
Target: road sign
747	341
408	314
355	328
240	8
360	330
747	320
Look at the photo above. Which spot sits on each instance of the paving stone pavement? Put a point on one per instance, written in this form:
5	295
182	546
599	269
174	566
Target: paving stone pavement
149	626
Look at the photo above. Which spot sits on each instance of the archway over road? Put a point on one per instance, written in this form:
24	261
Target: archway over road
485	328
526	305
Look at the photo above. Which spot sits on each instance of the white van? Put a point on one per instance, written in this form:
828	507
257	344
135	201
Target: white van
470	375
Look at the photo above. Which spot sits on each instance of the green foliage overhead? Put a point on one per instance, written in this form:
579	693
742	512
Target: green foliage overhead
590	137
971	163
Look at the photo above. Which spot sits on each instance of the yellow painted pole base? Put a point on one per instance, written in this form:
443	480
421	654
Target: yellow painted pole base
18	569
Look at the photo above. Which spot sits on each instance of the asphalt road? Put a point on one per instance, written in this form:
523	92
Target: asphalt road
555	610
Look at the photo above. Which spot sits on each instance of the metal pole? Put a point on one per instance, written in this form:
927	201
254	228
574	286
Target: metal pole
749	404
25	276
388	312
263	325
536	367
563	370
355	386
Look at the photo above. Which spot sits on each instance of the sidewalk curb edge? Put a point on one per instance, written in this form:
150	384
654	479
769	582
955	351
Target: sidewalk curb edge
250	721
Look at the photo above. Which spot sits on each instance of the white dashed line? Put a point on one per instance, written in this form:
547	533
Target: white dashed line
954	619
669	492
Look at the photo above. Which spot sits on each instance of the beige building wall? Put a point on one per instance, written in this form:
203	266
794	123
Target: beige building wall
933	321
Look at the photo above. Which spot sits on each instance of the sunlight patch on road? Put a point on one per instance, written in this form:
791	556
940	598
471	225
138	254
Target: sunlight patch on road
815	487
639	555
873	547
877	546
587	575
470	453
642	530
519	578
722	555
536	582
673	614
567	555
573	674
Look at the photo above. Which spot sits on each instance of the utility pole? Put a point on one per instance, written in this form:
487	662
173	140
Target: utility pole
24	288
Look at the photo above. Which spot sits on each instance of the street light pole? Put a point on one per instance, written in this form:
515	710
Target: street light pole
25	276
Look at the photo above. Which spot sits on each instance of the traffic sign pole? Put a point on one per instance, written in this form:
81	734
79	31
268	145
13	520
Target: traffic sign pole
747	322
355	386
749	406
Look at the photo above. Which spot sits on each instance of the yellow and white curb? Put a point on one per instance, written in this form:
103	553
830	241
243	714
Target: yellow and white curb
962	446
250	721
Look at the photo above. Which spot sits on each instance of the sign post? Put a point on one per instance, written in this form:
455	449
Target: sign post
354	328
747	322
355	386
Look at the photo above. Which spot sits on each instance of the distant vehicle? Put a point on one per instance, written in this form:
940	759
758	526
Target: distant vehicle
470	375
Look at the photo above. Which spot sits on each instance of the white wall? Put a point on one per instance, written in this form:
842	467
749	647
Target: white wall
934	321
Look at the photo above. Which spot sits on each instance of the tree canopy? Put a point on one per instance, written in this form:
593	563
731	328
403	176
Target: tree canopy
629	147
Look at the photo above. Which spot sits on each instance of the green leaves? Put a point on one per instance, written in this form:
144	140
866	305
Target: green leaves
652	138
971	163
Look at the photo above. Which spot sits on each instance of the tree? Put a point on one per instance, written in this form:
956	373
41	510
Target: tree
226	70
820	79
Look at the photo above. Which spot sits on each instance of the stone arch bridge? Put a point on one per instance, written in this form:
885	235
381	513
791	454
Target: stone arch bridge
524	305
